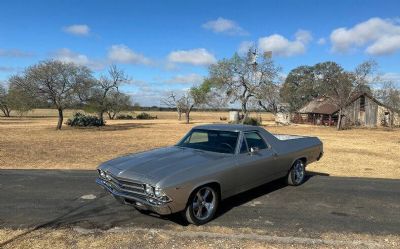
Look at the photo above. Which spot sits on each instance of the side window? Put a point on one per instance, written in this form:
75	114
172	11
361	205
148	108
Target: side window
255	140
243	147
198	137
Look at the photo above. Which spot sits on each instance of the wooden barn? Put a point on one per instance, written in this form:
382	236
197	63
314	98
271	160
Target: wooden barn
362	110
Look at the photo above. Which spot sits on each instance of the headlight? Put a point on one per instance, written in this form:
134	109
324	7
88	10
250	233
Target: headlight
149	189
158	192
102	174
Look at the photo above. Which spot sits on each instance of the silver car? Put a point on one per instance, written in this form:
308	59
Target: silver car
209	164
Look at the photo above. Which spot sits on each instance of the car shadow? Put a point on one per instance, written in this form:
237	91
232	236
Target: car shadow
245	197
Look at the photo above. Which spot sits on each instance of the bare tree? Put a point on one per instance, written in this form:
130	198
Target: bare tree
103	87
389	94
242	77
54	82
268	97
116	103
172	101
196	96
341	86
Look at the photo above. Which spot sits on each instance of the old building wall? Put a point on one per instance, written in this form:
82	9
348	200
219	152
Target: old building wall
362	112
387	117
371	112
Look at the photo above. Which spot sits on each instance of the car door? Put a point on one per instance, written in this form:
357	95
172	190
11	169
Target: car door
254	167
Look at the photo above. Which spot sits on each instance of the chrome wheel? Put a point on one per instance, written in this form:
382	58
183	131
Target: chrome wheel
203	204
299	172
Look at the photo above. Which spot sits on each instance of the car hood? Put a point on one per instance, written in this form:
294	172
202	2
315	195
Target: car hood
154	165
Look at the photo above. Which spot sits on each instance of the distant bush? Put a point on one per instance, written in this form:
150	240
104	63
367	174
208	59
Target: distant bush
251	121
80	119
123	116
144	115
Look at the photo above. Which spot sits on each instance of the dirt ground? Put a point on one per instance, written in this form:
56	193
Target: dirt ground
33	143
190	237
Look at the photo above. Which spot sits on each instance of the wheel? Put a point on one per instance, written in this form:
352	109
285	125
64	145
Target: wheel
297	173
202	205
142	211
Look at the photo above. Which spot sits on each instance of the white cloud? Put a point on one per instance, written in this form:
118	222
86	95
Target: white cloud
385	45
390	77
67	55
226	26
7	69
321	41
77	29
198	57
381	36
16	53
123	54
186	79
245	46
281	46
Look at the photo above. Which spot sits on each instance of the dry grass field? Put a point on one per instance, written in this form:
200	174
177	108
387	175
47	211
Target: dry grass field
32	142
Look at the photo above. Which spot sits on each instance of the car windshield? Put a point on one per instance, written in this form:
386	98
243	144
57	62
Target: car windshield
211	140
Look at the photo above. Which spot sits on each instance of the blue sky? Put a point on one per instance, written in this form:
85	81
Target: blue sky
167	45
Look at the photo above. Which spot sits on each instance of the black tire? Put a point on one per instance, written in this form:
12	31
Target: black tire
297	173
208	207
143	211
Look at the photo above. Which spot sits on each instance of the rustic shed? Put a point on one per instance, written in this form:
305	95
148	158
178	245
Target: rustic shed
320	111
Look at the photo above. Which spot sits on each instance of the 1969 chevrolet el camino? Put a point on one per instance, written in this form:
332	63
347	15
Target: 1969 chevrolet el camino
210	163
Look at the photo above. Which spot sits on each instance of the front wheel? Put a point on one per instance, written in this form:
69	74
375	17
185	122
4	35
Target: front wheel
297	173
202	205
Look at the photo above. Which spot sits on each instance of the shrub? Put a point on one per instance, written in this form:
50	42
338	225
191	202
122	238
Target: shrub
251	121
123	116
144	115
80	119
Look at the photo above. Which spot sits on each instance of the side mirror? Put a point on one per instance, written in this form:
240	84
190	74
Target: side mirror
254	150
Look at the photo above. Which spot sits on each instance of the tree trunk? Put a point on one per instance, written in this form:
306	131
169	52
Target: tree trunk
109	115
6	111
339	123
101	116
179	115
187	116
244	111
60	118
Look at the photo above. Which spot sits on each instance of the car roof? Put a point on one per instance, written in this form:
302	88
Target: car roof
227	127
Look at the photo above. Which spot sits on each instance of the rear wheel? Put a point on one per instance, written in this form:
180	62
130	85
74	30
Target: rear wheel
297	173
202	205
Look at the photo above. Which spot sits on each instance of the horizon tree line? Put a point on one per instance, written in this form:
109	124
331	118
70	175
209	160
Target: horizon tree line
249	80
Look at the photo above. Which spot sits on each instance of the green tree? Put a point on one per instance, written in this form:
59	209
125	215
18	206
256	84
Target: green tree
4	101
300	87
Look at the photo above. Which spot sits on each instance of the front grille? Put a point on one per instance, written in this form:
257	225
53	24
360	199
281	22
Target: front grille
123	185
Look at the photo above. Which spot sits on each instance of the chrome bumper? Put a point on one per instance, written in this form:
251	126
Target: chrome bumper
140	203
